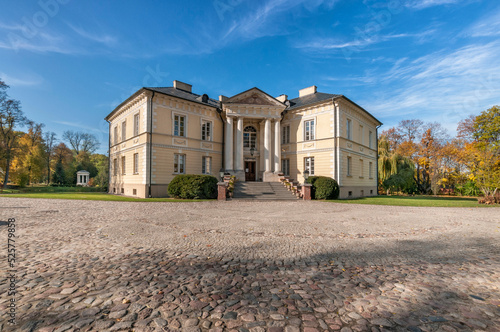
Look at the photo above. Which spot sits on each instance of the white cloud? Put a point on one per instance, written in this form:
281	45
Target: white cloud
81	126
485	27
101	38
245	21
322	45
41	42
21	81
421	4
443	86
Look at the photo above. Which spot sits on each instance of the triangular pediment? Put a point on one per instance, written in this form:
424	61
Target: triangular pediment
254	96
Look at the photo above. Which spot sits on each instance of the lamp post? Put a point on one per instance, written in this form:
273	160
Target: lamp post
306	175
221	174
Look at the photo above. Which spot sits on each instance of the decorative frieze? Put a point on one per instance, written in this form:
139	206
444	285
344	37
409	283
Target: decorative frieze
179	142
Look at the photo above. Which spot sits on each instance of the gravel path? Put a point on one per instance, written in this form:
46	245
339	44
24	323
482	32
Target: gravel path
251	266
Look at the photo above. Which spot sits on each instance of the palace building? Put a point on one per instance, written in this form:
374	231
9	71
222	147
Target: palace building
158	133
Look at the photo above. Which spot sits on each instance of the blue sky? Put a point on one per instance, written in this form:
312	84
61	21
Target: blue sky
71	62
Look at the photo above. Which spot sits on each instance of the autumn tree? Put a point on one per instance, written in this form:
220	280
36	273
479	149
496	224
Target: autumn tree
11	116
395	171
63	169
31	156
486	155
101	163
409	130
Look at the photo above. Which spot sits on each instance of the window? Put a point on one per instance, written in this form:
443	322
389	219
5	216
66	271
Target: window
123	165
285	166
179	125
136	163
115	167
206	165
115	135
361	168
136	124
349	166
370	170
134	192
349	129
179	163
124	130
309	165
285	135
206	130
361	135
370	139
309	130
249	137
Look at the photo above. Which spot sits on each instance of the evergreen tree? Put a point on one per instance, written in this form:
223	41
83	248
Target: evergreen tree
59	177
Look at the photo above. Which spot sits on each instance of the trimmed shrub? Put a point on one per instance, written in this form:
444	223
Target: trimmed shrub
324	187
190	186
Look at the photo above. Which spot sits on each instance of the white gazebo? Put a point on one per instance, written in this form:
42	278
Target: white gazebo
82	178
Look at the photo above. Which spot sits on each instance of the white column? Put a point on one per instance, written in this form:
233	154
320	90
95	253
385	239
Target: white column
228	153
277	146
267	145
238	154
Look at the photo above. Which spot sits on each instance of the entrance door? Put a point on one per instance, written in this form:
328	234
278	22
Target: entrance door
249	170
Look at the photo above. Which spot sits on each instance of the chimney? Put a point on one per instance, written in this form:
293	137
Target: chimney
282	98
308	91
182	86
222	98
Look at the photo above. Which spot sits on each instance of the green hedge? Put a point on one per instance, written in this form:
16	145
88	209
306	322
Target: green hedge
324	187
190	186
53	188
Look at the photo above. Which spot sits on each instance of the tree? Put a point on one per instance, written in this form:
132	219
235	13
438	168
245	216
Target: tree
90	144
11	116
81	141
393	138
59	177
49	140
465	128
487	127
486	151
391	164
32	157
410	129
63	156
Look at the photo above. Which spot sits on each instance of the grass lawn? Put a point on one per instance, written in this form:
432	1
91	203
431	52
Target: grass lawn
95	197
429	201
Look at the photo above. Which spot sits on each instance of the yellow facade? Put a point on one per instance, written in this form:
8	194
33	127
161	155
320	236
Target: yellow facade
162	132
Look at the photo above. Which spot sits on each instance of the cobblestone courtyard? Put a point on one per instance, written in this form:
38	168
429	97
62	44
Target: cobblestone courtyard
251	266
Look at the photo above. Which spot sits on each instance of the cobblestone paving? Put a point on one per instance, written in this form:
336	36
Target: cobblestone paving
234	266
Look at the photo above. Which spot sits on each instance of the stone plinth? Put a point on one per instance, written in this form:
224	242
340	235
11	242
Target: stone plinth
306	191
221	191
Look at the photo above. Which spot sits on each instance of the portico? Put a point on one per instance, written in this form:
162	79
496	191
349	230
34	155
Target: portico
253	122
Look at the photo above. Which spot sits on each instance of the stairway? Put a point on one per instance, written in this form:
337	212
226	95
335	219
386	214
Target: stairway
262	191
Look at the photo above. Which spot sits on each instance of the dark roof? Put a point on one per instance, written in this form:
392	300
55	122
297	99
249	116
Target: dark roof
319	97
186	95
310	99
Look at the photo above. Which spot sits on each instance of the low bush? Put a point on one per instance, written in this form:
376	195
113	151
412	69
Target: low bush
324	187
53	188
190	186
488	200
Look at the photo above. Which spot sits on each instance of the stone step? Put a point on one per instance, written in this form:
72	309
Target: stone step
262	191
